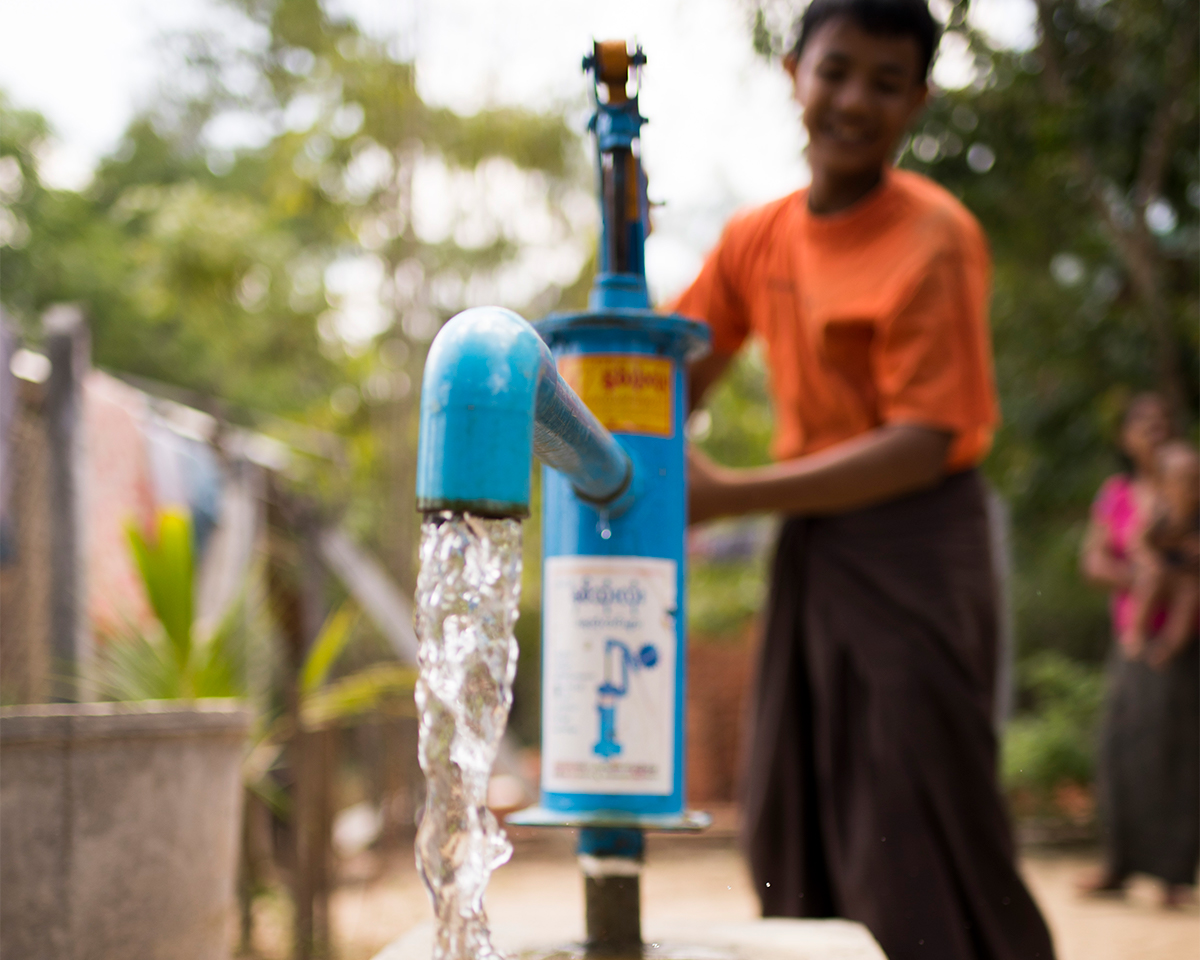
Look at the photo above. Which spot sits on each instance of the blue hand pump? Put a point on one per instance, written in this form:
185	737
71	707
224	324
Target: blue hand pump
600	398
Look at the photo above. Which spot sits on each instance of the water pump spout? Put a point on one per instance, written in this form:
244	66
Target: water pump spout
491	399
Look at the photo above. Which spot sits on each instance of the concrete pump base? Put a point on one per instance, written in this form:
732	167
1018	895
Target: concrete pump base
758	940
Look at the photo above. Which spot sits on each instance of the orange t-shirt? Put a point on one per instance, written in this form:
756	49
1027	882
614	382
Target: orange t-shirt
878	314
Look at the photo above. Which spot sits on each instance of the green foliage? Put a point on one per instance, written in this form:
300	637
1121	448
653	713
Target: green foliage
170	664
326	648
206	267
1053	742
723	596
1090	303
377	687
133	666
1052	606
165	565
739	432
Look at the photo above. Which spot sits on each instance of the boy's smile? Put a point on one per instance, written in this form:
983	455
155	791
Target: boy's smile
859	91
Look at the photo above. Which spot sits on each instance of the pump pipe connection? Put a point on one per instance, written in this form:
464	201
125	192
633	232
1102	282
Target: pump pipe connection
491	400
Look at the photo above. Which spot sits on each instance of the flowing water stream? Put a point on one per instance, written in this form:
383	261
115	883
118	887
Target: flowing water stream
467	595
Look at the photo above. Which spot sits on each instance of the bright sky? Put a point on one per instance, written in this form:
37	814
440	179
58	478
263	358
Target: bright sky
723	132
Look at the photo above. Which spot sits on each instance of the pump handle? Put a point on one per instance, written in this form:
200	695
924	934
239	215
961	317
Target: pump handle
611	61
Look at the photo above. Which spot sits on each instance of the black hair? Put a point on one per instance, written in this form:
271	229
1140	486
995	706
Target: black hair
893	18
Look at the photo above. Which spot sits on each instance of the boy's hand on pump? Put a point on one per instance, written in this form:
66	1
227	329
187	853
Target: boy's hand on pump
874	467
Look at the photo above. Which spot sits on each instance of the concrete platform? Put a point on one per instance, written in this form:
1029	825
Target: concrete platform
756	940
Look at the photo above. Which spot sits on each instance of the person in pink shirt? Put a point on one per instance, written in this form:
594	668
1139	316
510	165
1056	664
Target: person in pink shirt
1149	761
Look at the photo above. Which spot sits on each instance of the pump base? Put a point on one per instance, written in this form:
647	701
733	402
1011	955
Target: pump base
690	821
774	939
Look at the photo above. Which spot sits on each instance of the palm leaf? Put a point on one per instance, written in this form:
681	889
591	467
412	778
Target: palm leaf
166	568
330	642
361	692
131	666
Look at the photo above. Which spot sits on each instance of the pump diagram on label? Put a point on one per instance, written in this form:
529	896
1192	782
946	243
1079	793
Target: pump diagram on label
610	691
609	649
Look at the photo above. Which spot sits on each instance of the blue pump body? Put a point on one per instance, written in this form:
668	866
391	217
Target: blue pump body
653	525
619	322
491	398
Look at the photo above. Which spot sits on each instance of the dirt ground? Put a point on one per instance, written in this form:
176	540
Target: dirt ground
704	880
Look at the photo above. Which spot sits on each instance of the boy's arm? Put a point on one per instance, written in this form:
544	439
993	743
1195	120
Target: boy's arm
874	467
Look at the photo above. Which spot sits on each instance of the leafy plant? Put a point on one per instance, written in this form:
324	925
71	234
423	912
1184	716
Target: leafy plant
1052	745
725	595
324	701
170	663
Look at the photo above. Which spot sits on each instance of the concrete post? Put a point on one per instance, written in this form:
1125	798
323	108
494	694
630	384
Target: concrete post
68	347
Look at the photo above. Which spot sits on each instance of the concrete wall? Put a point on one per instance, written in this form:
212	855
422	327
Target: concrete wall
119	828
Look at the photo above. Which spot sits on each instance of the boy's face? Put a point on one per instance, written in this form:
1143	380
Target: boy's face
859	91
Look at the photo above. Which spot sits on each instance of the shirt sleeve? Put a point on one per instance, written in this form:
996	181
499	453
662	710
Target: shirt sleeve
932	361
716	295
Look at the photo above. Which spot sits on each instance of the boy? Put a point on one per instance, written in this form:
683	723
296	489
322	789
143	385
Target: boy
871	791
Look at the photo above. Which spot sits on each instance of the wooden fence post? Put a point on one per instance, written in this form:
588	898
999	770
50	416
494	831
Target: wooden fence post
68	347
296	580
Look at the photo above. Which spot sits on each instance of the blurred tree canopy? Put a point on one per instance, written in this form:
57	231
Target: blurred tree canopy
1079	157
225	245
253	238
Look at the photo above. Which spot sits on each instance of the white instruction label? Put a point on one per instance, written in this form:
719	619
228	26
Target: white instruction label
609	653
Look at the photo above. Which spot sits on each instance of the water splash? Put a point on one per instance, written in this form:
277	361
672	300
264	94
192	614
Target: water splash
467	595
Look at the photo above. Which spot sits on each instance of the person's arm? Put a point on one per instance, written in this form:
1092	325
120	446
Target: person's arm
1145	592
1179	629
1099	566
874	467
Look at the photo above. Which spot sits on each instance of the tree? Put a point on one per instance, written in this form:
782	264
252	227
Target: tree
254	239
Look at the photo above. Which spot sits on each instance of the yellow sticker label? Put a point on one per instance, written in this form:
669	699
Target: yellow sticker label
628	393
